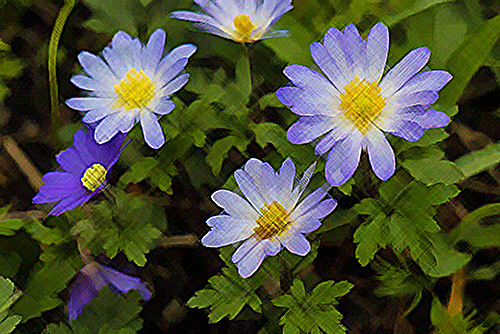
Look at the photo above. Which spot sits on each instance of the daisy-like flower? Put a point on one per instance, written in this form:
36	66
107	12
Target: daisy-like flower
85	167
353	105
92	278
130	82
244	21
269	216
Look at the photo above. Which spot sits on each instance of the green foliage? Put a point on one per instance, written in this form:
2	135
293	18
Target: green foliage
8	226
312	312
479	160
131	226
8	295
9	69
468	57
445	324
40	294
106	313
227	294
402	217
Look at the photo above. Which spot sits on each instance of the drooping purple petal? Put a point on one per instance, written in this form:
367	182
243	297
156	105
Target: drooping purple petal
124	283
81	293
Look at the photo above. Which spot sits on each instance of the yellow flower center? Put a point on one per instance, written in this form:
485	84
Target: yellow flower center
244	28
94	177
272	222
362	102
134	91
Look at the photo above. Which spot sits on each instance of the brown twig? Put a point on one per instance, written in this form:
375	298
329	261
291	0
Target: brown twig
24	163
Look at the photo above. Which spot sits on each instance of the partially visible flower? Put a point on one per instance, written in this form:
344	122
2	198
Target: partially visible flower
269	216
92	278
353	107
244	21
85	167
130	82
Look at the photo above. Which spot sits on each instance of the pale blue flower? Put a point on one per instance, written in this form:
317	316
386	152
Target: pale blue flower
131	82
269	216
352	105
244	21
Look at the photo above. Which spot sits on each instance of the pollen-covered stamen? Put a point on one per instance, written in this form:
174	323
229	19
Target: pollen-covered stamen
272	222
94	177
362	102
244	28
136	90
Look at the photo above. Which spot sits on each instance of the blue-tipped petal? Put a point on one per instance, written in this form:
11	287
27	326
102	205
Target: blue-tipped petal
309	128
124	283
153	134
380	154
343	160
296	243
249	256
377	49
410	65
234	204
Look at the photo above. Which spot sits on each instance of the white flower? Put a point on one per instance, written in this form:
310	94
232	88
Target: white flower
130	82
269	216
244	21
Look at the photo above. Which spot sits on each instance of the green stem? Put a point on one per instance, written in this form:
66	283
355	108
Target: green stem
53	45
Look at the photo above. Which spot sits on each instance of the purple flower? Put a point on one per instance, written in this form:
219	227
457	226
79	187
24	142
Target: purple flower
92	278
352	105
84	166
269	216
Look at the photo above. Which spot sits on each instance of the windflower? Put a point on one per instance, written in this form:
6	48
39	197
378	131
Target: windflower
130	82
84	168
353	105
92	278
243	21
269	216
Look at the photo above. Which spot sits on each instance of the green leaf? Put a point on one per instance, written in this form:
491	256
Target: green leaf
430	171
313	312
479	160
109	313
45	282
298	289
8	295
112	16
131	226
468	57
417	8
220	150
430	137
44	234
370	237
327	292
226	295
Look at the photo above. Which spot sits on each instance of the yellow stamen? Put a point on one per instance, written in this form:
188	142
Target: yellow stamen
272	222
362	102
244	28
94	177
134	91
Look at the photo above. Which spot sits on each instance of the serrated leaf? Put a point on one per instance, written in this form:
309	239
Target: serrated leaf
139	170
227	294
8	295
219	152
370	237
313	312
44	234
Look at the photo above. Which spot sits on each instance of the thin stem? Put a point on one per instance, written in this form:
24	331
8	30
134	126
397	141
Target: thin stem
52	66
